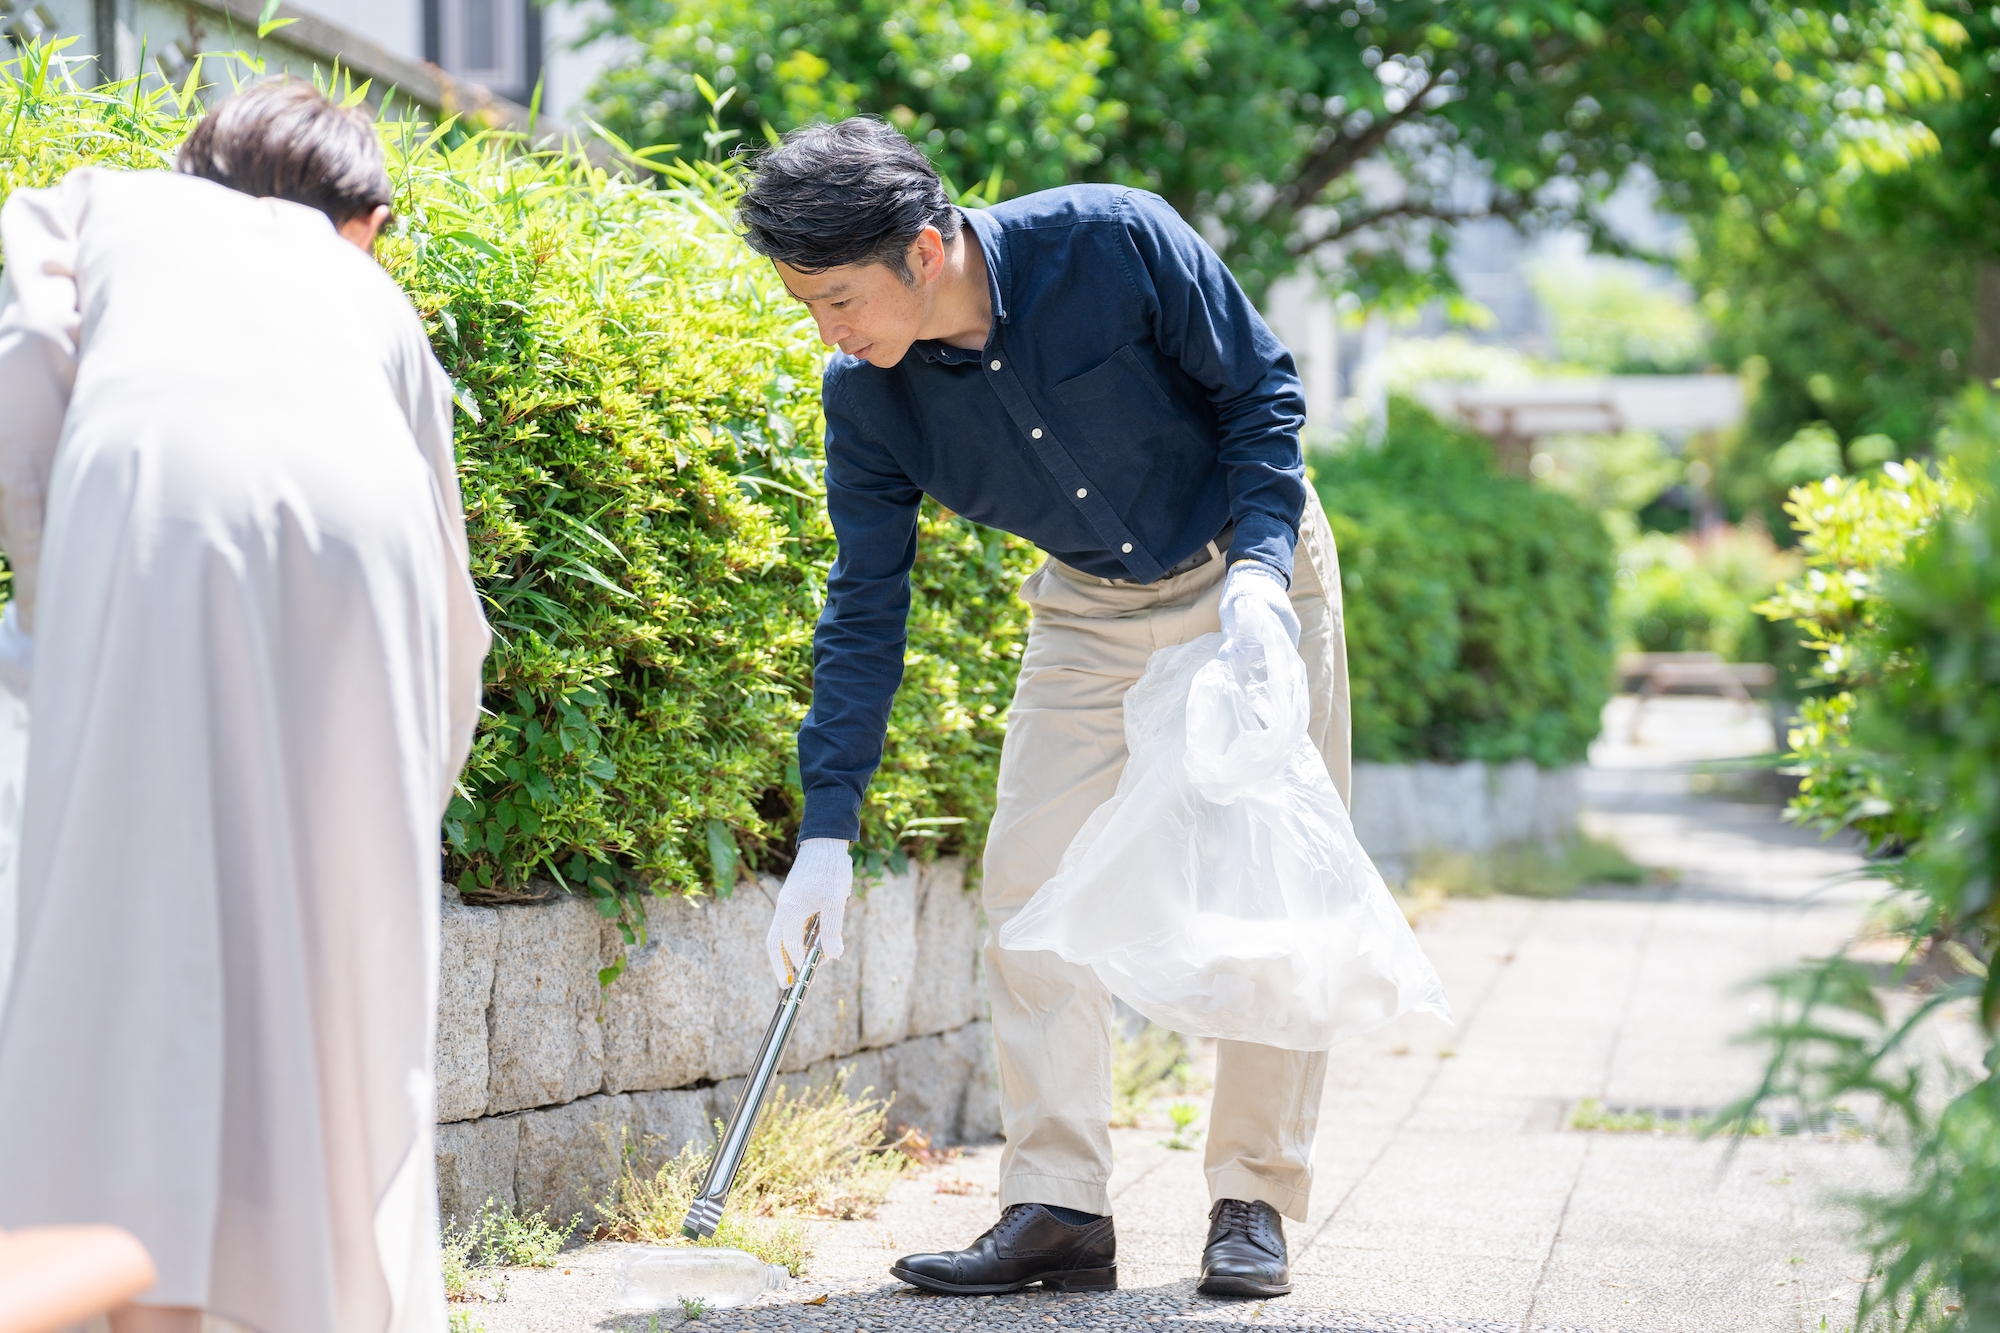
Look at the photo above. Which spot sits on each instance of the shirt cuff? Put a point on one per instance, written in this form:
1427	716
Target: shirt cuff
831	812
1266	540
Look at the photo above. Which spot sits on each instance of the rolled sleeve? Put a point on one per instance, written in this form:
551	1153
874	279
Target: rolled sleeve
1205	322
858	646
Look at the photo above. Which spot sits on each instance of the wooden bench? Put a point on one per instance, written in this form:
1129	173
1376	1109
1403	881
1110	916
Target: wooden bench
1690	673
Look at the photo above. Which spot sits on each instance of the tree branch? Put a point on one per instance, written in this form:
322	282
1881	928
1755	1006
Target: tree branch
1299	245
1876	324
1337	158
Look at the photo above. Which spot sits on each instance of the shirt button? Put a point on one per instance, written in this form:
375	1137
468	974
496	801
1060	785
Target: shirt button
1036	432
993	365
1126	548
1081	492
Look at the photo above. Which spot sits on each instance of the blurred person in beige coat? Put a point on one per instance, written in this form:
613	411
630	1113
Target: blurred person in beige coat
251	648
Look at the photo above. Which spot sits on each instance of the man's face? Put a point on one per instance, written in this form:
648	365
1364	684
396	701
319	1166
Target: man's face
867	310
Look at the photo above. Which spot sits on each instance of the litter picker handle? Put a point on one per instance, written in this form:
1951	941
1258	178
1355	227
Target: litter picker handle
706	1214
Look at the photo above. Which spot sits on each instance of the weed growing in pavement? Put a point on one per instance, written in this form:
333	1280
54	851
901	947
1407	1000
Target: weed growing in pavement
1527	871
1145	1066
693	1307
648	1204
816	1153
1590	1114
462	1272
498	1238
503	1238
822	1152
1183	1115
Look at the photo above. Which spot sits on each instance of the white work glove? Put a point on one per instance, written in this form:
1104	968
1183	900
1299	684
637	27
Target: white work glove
1254	581
17	653
818	885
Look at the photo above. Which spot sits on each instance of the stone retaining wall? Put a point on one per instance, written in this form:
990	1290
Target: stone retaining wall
539	1067
1404	810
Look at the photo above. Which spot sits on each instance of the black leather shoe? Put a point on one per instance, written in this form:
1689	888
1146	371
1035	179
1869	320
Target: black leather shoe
1245	1255
1029	1244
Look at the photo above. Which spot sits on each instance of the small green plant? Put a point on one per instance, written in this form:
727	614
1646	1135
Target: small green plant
501	1238
1527	870
1183	1114
497	1238
463	1321
462	1272
693	1307
1145	1066
1591	1115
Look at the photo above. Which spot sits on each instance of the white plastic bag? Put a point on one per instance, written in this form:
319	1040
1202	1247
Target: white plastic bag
1221	891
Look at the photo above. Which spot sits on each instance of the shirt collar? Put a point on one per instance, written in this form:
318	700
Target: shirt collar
982	227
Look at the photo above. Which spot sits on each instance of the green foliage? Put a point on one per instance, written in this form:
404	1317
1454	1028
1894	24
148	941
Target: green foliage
1477	604
1852	292
1695	593
53	127
642	483
1813	453
1940	1236
1525	870
1853	532
500	1238
1257	112
1145	1065
639	446
1902	600
1617	318
1936	708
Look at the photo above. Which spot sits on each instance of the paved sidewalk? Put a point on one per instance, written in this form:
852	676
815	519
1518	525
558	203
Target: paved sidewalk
1449	1195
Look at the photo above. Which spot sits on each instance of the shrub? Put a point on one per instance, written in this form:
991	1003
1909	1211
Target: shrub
1696	593
1902	601
639	444
1853	532
1477	604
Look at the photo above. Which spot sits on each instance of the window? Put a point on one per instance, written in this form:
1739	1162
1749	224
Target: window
492	42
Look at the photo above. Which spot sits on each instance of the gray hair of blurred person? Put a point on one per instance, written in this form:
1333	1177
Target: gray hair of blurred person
284	140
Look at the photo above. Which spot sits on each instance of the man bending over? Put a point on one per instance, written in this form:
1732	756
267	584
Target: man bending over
1079	368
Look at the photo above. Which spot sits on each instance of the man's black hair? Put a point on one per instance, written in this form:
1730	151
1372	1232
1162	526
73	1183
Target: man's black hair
853	193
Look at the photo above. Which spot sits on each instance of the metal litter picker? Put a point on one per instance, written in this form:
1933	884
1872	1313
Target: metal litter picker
706	1214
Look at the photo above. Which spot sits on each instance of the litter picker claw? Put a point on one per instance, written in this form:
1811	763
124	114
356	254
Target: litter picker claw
706	1214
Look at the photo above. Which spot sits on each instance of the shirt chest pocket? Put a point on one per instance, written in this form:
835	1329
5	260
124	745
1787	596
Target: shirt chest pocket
1120	410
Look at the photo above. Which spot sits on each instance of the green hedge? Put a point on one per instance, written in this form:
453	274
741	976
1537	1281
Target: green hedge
1478	604
639	443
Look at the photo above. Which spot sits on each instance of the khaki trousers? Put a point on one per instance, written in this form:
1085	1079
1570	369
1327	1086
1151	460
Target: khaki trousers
1064	750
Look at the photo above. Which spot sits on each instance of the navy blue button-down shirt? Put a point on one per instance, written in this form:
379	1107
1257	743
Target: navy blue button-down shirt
1128	404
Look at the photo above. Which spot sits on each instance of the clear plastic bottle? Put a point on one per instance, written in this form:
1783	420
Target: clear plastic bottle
656	1277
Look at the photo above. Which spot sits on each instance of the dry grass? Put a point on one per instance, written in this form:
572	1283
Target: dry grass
818	1153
